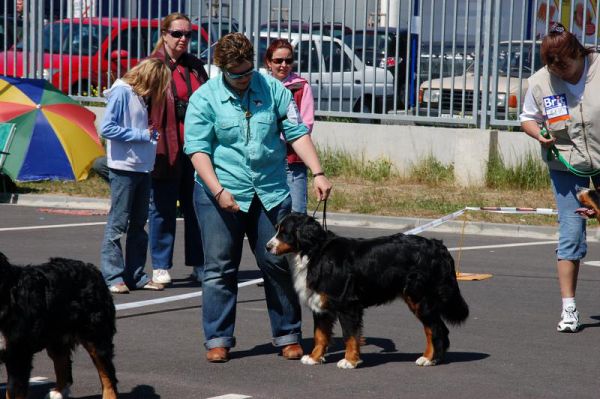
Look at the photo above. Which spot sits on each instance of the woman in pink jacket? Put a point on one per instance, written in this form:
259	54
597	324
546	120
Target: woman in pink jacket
279	60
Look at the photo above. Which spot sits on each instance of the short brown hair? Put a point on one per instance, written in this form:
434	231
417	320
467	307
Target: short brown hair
560	44
277	44
232	50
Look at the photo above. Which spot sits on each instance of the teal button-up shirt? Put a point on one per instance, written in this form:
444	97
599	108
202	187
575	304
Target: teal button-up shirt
242	136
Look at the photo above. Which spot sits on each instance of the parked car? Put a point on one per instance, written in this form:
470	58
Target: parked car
11	30
335	29
382	48
85	55
338	77
516	62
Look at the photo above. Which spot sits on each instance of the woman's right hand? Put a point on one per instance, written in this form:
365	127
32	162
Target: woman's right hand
547	142
227	202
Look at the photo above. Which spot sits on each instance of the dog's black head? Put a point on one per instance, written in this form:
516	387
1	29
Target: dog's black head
297	233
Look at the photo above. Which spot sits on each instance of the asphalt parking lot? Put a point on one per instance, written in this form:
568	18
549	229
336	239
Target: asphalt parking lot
508	348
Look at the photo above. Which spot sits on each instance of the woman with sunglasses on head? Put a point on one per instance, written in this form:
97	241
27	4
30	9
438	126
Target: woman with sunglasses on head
279	60
233	128
561	109
173	176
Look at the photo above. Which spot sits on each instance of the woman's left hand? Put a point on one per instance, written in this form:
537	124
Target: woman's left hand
322	187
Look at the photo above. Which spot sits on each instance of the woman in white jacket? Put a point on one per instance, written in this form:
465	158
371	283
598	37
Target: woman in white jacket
130	150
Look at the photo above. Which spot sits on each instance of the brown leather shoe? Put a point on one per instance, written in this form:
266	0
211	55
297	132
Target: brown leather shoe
292	352
218	355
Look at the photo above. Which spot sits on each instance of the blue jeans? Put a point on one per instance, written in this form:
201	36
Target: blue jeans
223	238
129	195
296	180
571	227
162	219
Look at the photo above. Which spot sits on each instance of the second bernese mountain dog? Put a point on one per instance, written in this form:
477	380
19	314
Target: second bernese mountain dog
590	200
55	306
338	277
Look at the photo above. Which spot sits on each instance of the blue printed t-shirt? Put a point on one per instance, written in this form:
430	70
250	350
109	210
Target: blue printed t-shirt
248	154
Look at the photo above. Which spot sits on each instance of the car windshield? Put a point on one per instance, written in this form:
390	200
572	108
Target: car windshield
74	38
511	58
372	41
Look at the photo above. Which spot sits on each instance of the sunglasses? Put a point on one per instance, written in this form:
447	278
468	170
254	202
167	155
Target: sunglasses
240	75
556	28
278	61
178	34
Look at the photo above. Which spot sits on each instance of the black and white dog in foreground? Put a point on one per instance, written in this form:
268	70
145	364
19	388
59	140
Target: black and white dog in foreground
339	277
55	306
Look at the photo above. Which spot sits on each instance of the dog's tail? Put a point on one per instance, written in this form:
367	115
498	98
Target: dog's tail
454	308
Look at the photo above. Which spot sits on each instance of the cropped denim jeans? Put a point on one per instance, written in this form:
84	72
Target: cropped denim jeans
129	195
296	180
571	227
222	239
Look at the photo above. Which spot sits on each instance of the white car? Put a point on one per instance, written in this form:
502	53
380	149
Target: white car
517	61
339	79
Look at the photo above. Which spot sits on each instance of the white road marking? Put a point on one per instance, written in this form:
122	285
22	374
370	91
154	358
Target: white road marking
231	396
519	244
595	263
139	304
51	226
33	381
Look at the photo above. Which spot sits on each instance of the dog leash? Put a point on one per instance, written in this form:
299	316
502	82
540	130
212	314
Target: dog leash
554	153
324	223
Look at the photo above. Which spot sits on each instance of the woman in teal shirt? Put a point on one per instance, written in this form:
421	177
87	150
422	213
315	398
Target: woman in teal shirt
232	134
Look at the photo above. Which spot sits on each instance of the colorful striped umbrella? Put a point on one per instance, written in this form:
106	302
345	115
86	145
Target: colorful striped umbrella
55	137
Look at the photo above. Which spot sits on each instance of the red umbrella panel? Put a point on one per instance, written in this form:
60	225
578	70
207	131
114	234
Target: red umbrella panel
55	137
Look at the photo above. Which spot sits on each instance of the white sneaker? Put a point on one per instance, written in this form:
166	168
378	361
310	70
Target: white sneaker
569	320
161	276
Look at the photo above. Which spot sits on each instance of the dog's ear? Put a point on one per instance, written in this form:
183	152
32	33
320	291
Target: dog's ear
310	234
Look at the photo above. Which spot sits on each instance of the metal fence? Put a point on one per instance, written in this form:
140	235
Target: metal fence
450	62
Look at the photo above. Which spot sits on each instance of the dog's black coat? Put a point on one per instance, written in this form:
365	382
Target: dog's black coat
350	275
55	306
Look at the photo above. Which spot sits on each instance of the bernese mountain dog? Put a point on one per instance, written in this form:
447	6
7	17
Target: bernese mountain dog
338	277
590	200
55	306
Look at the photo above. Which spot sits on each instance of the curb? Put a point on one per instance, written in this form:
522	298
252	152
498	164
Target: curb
333	219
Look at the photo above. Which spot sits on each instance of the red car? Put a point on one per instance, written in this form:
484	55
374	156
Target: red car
84	55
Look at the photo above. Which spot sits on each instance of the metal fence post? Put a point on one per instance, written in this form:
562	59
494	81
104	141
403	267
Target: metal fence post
484	88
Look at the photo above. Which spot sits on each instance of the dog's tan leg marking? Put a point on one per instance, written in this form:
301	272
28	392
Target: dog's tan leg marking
352	356
323	331
427	358
108	389
62	370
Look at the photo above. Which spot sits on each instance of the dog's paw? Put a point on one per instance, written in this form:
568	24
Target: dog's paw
54	394
345	364
423	361
306	359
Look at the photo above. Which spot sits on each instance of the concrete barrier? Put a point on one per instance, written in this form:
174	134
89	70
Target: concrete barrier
405	145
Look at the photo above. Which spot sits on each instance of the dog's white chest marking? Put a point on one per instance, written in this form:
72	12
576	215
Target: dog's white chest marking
307	296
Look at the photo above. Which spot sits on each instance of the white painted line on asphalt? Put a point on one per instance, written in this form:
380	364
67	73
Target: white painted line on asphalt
519	244
33	381
51	226
139	304
595	263
231	396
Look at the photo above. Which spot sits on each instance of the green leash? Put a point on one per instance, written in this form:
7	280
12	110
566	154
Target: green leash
553	153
